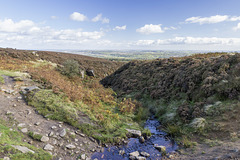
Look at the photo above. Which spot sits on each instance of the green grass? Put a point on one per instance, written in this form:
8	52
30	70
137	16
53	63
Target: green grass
10	73
57	107
12	137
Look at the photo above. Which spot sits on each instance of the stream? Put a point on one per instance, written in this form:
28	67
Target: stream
158	137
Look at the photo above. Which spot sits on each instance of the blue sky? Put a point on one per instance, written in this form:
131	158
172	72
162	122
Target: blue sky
120	24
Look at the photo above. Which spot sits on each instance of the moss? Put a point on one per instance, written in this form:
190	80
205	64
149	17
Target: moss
35	136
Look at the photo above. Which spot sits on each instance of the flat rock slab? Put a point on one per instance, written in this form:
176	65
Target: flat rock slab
23	149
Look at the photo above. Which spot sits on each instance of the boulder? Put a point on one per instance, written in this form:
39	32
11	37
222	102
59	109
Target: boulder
63	132
141	139
145	154
90	72
134	133
160	148
70	146
44	139
48	147
134	154
31	88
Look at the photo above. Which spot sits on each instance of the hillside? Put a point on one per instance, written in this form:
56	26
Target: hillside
54	110
196	98
100	66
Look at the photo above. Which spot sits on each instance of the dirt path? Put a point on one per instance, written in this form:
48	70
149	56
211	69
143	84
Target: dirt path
61	139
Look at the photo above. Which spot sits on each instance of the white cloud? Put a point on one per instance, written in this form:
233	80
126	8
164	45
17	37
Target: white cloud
237	27
169	28
7	25
100	18
189	41
120	28
75	16
27	33
150	28
212	19
208	20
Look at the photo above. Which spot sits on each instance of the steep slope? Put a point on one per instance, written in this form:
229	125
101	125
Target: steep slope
176	78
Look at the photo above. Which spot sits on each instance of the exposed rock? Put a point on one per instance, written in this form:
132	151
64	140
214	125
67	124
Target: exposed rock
132	157
141	139
140	158
23	149
160	148
37	123
135	133
134	154
90	72
70	146
63	132
31	88
121	152
24	130
48	147
92	139
198	123
83	156
9	113
53	127
145	154
21	124
51	134
44	139
9	91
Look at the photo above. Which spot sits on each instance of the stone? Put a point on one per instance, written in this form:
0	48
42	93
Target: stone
14	105
92	139
145	154
198	123
6	158
141	139
23	149
31	88
9	113
160	148
132	157
90	72
37	123
121	152
83	156
24	130
63	132
53	127
141	158
48	147
44	139
135	133
134	154
70	146
51	134
9	91
21	125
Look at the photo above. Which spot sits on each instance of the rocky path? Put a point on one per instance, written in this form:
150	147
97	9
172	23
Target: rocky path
61	140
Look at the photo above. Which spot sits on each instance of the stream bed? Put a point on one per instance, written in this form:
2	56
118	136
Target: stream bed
158	138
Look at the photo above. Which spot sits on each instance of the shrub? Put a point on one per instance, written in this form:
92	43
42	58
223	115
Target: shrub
70	68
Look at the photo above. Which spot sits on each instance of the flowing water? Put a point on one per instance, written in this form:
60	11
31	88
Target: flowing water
158	137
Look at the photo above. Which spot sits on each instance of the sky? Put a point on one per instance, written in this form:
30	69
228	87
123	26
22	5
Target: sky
120	24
